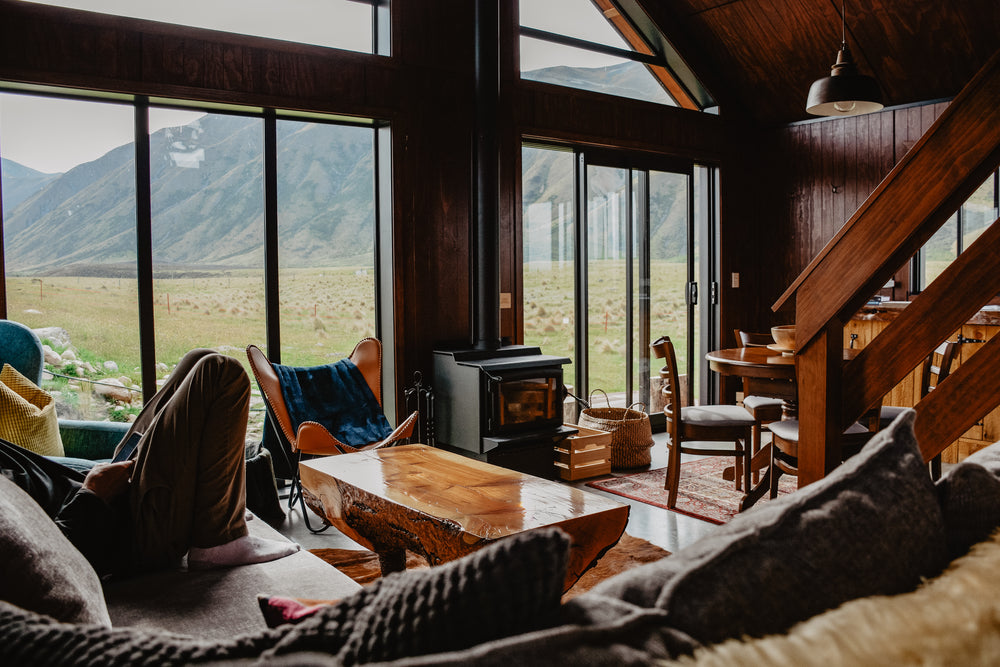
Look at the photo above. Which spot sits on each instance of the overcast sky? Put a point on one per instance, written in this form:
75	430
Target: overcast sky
54	135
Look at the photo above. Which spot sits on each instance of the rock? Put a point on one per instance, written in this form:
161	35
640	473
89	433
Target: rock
52	357
110	366
113	389
55	335
161	367
68	355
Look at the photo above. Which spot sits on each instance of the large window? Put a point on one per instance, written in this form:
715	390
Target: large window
342	24
326	239
69	241
207	206
122	279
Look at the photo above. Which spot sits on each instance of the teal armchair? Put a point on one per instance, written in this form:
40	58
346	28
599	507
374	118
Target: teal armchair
85	440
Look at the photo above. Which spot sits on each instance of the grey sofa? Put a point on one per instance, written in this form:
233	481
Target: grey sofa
780	581
220	604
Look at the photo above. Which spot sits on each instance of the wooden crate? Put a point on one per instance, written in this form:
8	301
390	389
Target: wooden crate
586	454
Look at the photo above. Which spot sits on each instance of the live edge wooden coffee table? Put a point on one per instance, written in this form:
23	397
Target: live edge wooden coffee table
444	506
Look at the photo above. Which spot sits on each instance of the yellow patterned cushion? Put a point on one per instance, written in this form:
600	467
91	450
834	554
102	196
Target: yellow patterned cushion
28	414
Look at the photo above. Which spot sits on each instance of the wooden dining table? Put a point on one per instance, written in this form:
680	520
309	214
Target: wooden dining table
768	372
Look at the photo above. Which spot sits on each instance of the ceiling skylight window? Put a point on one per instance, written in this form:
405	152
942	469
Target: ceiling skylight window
340	24
573	18
605	46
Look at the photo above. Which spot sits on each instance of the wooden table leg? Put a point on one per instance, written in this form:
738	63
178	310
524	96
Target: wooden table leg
392	561
760	460
757	492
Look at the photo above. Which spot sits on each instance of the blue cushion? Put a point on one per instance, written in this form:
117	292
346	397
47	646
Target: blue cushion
20	347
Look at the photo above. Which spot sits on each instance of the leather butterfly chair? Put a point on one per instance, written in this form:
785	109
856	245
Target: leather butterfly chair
713	423
311	439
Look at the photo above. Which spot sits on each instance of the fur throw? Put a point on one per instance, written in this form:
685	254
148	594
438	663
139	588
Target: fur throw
953	619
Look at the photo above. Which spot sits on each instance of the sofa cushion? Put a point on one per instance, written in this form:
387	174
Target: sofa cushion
953	619
872	526
511	586
28	414
220	604
969	494
43	572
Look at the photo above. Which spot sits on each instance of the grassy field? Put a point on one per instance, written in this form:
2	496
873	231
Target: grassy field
324	312
549	316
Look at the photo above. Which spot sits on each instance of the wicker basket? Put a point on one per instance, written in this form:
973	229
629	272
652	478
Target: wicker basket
631	434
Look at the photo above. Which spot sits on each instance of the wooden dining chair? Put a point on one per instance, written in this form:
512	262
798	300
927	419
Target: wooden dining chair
712	423
931	375
765	409
785	444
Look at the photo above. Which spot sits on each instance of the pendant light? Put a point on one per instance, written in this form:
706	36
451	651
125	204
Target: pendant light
844	92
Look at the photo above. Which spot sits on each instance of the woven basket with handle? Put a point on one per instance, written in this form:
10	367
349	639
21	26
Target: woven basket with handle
631	434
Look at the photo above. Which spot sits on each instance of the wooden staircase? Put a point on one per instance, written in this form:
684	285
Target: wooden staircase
924	189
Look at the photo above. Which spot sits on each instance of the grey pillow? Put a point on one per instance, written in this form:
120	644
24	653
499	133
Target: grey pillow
509	587
43	572
873	526
969	495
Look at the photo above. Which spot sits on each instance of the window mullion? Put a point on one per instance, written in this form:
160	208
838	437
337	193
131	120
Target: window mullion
144	248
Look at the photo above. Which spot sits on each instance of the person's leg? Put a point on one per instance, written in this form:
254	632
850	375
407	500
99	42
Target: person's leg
188	490
164	393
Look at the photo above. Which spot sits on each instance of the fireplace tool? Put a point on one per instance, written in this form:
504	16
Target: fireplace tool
421	399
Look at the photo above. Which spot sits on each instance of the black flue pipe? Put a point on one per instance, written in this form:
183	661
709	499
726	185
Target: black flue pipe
485	264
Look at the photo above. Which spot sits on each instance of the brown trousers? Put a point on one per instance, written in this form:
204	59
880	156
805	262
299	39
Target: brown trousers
189	484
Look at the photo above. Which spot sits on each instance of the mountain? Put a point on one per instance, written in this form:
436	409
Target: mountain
207	200
547	186
207	195
20	182
629	79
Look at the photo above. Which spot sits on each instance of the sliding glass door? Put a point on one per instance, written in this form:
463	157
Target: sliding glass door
616	239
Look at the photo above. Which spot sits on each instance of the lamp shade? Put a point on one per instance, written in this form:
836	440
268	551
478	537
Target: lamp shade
844	92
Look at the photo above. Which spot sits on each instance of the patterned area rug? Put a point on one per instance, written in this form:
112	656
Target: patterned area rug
702	493
362	565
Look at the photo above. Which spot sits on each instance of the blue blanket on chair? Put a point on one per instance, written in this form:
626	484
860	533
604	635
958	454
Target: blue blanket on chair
336	396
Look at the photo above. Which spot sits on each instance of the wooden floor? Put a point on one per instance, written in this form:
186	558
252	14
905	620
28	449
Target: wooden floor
663	528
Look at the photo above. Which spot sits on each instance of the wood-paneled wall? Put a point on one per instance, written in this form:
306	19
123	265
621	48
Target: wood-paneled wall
818	174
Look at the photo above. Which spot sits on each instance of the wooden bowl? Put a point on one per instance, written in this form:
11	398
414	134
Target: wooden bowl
784	336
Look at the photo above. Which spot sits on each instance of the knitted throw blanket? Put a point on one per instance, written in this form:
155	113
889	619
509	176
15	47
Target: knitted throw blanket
507	588
336	396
